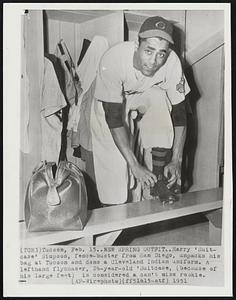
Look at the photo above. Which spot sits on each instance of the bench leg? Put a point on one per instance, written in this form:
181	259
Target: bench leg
215	226
107	239
214	234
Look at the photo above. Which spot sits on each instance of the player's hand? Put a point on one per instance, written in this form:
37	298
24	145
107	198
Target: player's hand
143	175
172	171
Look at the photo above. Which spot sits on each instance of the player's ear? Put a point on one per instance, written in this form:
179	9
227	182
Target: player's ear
136	44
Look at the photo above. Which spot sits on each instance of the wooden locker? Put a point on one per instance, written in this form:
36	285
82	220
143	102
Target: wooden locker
205	60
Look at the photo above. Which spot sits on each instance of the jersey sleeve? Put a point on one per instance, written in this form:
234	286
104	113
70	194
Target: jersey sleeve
177	85
109	79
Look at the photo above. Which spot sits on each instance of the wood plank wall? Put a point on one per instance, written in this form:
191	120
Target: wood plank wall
74	33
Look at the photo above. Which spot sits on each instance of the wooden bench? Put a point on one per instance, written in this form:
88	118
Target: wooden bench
105	224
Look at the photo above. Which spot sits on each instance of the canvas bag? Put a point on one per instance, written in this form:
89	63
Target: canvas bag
56	203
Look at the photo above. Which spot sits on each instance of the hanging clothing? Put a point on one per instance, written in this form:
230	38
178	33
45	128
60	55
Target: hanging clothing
86	44
25	106
59	70
52	102
79	117
83	134
72	87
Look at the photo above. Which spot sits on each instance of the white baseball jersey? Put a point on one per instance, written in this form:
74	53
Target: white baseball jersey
117	76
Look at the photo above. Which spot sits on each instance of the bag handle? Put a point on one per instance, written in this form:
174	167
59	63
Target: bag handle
52	197
70	166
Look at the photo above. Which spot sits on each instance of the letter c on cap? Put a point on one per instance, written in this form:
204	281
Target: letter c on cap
160	25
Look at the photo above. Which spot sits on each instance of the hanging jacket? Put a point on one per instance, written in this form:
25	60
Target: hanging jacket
86	71
71	79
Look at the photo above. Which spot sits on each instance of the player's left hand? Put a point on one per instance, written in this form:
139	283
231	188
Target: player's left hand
172	171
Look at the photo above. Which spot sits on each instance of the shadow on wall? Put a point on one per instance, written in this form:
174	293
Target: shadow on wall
191	103
126	30
179	38
45	32
192	131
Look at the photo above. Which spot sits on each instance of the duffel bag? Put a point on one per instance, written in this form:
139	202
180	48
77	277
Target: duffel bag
56	200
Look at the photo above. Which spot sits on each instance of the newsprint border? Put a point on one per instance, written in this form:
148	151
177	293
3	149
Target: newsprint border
11	141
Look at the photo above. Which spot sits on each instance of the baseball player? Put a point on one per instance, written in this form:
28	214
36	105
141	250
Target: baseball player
145	73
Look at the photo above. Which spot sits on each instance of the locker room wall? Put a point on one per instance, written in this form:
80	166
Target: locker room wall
73	32
67	31
110	26
202	25
205	71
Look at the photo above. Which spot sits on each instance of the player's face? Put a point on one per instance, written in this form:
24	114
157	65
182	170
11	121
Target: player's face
151	55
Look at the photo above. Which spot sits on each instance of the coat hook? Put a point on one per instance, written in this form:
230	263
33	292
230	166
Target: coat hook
26	13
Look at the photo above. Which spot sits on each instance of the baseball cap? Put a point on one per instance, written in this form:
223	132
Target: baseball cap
157	26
